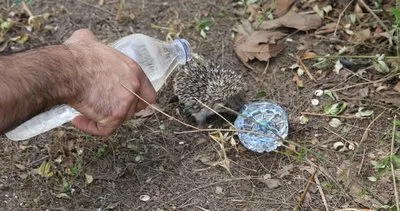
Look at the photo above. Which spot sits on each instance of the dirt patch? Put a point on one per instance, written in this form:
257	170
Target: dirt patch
146	165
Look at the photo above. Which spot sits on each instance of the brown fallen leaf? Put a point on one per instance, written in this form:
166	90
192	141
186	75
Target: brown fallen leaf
285	171
309	55
363	35
145	113
298	81
397	87
394	101
303	22
282	7
261	45
358	11
272	183
253	9
19	166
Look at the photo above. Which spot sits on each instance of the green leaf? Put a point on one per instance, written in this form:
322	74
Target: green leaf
335	109
382	164
353	18
261	94
322	63
65	184
396	161
6	25
331	94
303	120
380	64
364	113
397	122
396	13
397	137
206	24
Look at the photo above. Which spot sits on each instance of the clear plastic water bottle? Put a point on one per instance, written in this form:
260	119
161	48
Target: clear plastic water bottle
157	59
262	126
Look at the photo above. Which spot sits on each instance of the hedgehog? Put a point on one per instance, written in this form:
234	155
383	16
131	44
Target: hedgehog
210	84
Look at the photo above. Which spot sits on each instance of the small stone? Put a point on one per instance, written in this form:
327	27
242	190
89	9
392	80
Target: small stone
267	176
218	190
144	198
335	122
318	93
339	146
315	102
139	158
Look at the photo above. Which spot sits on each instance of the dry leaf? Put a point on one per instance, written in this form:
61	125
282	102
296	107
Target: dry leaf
145	113
272	183
35	22
397	87
309	55
63	196
394	101
20	167
358	11
303	22
306	201
298	81
292	147
253	9
363	35
261	45
364	92
89	178
282	7
338	67
285	171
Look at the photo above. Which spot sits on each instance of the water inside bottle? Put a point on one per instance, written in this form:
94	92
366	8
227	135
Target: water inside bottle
156	58
267	124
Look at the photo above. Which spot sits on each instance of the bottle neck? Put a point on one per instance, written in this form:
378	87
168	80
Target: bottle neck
183	51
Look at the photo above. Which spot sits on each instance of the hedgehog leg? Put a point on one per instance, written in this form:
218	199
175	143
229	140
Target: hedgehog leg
173	99
201	118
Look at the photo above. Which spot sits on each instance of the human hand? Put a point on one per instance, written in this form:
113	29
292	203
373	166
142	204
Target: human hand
103	101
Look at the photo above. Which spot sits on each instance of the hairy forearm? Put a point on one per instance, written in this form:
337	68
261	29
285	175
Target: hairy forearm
35	80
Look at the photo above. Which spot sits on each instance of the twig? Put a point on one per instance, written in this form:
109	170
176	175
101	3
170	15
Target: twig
120	12
365	135
305	190
349	56
373	14
334	133
321	192
340	17
391	164
362	163
211	184
365	83
327	115
397	31
266	67
215	112
155	108
96	7
305	68
25	7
